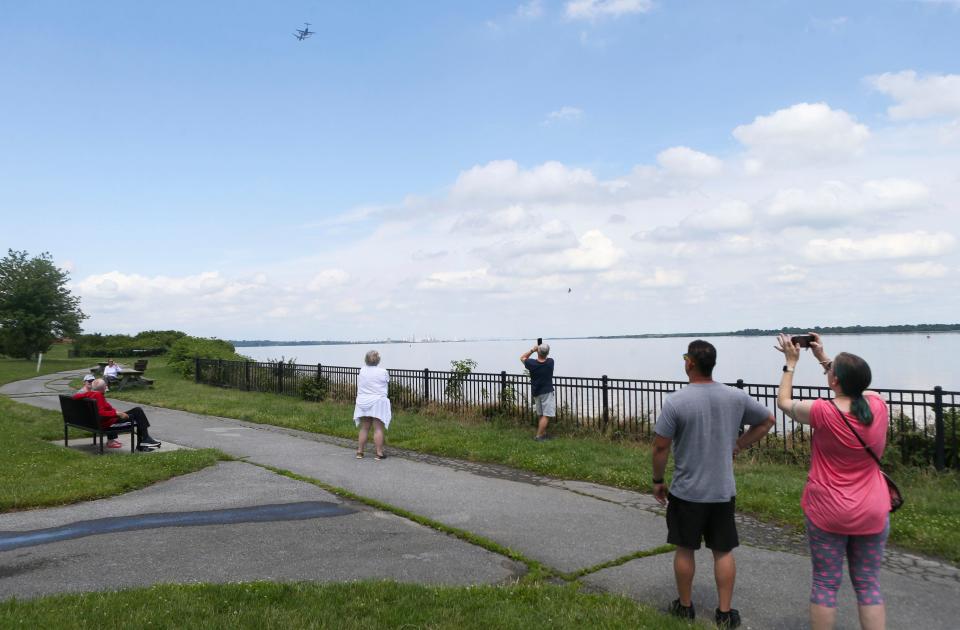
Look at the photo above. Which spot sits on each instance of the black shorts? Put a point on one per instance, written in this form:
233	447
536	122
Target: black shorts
689	522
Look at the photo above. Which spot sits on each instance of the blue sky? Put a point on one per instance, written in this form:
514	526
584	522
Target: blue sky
452	168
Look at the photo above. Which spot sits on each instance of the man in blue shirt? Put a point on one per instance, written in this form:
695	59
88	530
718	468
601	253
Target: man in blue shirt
541	379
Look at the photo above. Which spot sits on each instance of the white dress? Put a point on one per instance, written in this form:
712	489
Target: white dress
372	401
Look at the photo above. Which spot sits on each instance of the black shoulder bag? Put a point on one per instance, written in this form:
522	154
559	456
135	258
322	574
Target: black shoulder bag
896	499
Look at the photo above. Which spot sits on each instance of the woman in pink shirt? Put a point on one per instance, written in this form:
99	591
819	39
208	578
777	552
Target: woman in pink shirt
845	501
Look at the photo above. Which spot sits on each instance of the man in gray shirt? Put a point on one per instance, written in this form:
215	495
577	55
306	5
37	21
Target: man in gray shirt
702	422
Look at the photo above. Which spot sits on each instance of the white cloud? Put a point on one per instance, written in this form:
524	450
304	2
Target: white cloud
790	274
802	133
660	278
595	252
469	280
836	202
328	278
883	246
728	216
564	114
594	9
919	97
920	270
686	162
505	179
530	10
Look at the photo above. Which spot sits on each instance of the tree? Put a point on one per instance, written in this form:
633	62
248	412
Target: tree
36	308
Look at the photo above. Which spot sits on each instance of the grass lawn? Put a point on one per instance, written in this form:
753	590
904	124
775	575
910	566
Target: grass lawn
929	522
54	361
34	473
351	605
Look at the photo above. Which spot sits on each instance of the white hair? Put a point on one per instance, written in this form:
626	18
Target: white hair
372	358
543	350
99	385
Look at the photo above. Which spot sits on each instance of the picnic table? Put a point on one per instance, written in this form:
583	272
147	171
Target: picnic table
129	378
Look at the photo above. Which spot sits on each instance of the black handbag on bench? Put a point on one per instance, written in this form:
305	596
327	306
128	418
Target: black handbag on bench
896	499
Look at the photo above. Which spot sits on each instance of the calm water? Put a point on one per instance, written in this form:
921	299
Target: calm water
898	361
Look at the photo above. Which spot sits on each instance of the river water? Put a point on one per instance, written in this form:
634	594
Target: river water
898	361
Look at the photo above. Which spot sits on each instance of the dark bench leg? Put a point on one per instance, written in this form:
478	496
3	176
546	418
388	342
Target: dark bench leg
65	443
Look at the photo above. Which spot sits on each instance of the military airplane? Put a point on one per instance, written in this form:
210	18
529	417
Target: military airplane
303	33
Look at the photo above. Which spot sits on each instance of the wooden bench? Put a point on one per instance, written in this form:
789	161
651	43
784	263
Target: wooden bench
81	413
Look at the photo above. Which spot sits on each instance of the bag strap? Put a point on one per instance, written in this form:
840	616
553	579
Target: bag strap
843	417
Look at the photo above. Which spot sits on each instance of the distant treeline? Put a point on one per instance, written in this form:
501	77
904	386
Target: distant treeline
795	330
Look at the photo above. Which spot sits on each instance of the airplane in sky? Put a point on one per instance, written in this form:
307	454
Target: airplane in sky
303	33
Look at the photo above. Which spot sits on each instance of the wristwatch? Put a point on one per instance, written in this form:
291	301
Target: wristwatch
658	481
787	368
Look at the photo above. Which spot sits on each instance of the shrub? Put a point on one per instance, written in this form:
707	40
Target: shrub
460	369
314	389
185	349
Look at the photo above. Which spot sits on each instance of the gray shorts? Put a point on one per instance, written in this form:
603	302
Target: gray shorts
546	404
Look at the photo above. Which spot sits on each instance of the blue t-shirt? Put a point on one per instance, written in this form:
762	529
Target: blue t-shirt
541	375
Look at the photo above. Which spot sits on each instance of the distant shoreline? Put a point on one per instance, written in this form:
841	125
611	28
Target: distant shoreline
747	332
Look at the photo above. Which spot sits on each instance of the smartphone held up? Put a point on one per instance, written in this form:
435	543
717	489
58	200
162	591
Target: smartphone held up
801	340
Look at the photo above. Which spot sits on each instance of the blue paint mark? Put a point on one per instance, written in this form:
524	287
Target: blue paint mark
256	514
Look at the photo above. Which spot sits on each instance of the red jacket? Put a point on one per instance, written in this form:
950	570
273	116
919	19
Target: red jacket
108	415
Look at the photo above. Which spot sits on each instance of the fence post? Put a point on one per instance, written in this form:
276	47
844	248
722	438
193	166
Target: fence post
246	375
739	383
503	389
196	369
319	372
279	377
426	385
606	403
939	437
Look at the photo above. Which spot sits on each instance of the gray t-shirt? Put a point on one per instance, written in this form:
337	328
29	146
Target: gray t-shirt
703	420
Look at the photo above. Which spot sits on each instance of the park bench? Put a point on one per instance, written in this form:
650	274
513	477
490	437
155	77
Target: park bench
81	413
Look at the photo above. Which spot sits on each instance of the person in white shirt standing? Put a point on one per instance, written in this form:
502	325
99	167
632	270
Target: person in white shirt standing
373	406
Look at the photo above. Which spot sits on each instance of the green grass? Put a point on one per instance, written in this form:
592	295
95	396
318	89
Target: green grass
54	361
35	473
929	522
357	605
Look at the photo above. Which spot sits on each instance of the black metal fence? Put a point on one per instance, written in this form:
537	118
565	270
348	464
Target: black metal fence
923	423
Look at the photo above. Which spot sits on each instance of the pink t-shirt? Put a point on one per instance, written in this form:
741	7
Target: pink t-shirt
845	492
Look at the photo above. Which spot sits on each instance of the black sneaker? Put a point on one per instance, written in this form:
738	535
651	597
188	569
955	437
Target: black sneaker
150	442
143	448
729	619
679	610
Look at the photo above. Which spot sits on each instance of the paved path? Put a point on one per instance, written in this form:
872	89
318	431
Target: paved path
567	525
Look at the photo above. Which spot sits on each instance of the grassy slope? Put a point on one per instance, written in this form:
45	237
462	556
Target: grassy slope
351	605
34	473
929	522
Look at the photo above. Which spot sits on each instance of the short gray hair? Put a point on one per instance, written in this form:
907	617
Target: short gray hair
543	349
372	358
99	385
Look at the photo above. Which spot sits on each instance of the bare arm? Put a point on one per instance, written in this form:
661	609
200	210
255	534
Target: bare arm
754	433
526	355
661	453
799	410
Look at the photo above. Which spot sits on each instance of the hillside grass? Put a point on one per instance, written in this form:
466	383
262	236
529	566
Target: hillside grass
353	605
35	473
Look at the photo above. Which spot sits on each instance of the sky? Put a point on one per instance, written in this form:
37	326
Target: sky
486	169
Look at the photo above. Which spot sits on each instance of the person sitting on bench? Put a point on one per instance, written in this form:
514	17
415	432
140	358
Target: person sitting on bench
109	415
111	372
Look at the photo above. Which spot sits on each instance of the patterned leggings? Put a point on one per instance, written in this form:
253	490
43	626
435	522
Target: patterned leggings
864	555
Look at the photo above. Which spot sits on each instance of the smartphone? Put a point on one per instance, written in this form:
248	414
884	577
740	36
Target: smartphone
802	340
539	341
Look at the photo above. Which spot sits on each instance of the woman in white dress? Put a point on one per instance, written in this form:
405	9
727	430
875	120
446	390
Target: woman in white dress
373	406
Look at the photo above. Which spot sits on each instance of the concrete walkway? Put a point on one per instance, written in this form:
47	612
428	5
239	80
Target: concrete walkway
566	525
